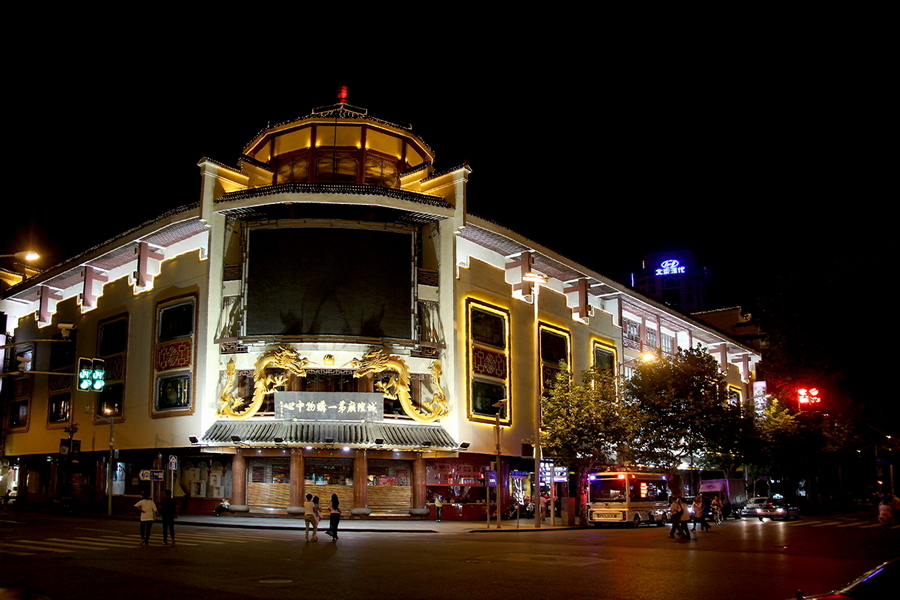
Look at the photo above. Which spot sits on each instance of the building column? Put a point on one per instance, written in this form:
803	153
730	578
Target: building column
418	482
100	477
53	482
360	480
238	478
298	477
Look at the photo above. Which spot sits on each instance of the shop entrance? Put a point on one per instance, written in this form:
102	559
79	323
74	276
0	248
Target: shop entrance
389	486
269	483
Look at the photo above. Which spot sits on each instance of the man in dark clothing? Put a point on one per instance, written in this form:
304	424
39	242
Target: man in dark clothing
167	510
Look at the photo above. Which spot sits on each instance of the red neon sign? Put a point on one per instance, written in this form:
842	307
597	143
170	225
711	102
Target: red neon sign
808	396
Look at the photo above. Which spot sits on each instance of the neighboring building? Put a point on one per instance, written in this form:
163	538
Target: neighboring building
675	279
328	319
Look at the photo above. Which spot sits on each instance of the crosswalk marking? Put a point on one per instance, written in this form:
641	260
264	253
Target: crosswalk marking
825	523
34	545
116	542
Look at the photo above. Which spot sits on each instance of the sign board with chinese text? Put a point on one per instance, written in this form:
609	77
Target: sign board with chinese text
329	406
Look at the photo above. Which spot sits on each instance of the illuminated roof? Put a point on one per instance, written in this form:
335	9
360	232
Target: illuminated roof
403	436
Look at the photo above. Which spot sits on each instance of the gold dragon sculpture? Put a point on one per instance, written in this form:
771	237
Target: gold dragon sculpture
282	358
397	387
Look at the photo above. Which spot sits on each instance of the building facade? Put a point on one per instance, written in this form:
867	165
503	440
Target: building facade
327	318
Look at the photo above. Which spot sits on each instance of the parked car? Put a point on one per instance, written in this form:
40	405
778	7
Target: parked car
777	509
753	505
881	582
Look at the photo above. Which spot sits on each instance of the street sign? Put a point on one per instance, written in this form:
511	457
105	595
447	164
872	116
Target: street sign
173	463
152	475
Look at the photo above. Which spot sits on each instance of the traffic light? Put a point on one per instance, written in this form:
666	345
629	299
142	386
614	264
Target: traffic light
98	378
91	374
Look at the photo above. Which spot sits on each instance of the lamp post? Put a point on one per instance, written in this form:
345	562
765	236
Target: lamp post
536	280
497	473
109	466
26	255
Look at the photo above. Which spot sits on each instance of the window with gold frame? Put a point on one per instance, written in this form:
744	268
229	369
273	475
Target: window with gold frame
556	348
604	355
488	357
173	366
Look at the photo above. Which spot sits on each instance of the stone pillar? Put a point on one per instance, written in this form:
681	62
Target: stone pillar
360	480
238	478
418	482
298	476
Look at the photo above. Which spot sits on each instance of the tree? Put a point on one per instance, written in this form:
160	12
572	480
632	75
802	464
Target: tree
683	411
585	424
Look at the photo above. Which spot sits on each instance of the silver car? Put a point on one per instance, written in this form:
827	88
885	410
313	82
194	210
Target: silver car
750	509
777	510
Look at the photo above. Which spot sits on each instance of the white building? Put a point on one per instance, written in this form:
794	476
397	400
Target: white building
256	335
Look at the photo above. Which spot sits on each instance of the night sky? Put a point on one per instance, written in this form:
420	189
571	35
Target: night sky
754	156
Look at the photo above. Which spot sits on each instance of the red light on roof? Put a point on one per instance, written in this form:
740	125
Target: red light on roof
342	94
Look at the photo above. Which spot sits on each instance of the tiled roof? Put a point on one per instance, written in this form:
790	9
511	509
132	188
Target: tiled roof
403	436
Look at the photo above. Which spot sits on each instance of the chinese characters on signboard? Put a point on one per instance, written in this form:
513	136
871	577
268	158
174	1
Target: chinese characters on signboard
331	406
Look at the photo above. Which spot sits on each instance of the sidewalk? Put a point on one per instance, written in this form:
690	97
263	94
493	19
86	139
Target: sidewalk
373	525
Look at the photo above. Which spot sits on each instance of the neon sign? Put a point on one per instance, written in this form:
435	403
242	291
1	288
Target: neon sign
670	267
810	396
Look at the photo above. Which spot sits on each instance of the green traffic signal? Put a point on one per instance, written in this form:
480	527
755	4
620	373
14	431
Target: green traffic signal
98	378
85	374
91	374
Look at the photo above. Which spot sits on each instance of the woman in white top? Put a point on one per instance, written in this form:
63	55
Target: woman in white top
148	510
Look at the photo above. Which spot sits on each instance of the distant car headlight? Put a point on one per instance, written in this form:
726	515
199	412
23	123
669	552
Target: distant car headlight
781	510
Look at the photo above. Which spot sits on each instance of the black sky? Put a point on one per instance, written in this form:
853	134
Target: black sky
754	153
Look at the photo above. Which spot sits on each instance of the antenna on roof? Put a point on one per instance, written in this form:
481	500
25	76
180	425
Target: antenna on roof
342	94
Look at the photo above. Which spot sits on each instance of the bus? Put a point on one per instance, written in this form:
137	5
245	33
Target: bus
618	497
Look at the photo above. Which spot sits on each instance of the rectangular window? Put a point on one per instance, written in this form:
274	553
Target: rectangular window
554	350
488	353
174	358
62	360
60	408
631	330
668	343
112	346
604	356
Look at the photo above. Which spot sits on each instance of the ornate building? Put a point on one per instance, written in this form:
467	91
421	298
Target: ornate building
327	318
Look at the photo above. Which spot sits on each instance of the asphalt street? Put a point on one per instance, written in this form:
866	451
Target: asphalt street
248	558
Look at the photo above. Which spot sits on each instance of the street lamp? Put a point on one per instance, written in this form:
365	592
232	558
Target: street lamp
536	279
109	465
26	255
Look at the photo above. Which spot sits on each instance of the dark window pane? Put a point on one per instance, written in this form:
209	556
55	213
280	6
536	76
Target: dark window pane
484	395
176	321
488	328
113	337
110	400
60	408
173	392
554	347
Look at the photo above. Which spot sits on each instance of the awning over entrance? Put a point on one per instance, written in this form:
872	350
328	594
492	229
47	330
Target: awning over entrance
272	434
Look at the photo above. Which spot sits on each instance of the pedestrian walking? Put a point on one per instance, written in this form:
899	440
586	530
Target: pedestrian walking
678	512
167	507
701	512
438	507
148	513
309	518
6	499
334	518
